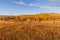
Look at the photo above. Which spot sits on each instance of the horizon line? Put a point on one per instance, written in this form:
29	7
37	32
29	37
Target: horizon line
28	14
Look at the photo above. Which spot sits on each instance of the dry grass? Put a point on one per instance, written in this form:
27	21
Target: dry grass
30	27
29	30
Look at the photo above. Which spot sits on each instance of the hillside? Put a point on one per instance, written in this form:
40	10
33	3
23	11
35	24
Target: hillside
30	27
35	17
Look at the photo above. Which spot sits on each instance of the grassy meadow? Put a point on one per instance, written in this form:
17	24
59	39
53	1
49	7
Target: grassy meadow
30	27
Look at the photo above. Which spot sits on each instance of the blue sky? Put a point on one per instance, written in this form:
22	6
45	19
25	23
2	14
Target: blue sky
20	7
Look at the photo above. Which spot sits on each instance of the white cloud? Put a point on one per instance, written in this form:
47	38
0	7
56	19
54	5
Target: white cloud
25	4
31	4
20	2
36	5
48	7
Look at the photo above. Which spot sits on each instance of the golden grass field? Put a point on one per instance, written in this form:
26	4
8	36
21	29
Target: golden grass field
30	30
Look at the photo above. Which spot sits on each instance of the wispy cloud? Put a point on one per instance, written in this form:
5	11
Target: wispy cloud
25	4
31	4
20	2
37	5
